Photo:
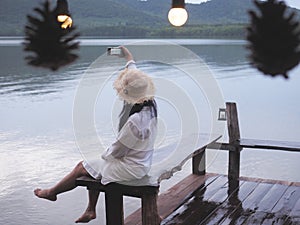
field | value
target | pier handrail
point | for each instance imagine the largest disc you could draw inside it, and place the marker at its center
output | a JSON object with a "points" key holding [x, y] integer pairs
{"points": [[236, 144], [291, 146]]}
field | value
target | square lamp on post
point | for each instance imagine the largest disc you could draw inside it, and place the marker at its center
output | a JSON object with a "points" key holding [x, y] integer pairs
{"points": [[222, 114]]}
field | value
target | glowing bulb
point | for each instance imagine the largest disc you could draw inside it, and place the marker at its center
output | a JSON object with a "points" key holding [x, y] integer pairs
{"points": [[177, 16], [65, 20], [62, 18]]}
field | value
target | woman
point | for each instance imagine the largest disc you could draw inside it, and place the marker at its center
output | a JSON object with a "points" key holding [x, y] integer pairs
{"points": [[130, 156]]}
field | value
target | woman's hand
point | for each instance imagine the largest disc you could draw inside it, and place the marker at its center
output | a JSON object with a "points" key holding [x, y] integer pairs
{"points": [[127, 54]]}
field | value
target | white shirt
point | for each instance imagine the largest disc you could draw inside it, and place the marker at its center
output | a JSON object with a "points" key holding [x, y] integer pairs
{"points": [[135, 141]]}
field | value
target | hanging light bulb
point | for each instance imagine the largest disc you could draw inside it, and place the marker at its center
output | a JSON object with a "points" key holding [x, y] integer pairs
{"points": [[63, 15], [65, 20], [177, 14]]}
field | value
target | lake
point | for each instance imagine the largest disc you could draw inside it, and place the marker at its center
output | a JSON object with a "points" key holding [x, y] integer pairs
{"points": [[38, 144]]}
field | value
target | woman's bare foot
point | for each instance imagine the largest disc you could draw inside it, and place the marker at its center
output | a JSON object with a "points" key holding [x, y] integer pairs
{"points": [[45, 193], [86, 217]]}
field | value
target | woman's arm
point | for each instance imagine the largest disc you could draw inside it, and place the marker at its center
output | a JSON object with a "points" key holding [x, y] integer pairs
{"points": [[127, 54], [125, 142], [129, 58], [116, 151]]}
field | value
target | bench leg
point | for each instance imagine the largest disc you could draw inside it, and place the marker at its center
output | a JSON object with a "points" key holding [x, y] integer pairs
{"points": [[114, 208], [199, 167], [149, 210]]}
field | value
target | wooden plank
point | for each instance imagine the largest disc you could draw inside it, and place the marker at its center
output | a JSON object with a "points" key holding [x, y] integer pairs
{"points": [[271, 181], [218, 184], [297, 184], [221, 195], [292, 146], [262, 210], [181, 192], [280, 213], [287, 202], [296, 221], [275, 219], [238, 217], [242, 212], [173, 198], [253, 200], [269, 144], [256, 218], [132, 191], [221, 146], [216, 216], [295, 213], [236, 212], [271, 198], [199, 206]]}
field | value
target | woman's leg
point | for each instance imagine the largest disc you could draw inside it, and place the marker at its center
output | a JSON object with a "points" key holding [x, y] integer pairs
{"points": [[66, 184], [90, 212]]}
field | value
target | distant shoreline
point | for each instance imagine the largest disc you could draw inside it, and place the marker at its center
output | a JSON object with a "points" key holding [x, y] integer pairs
{"points": [[124, 31], [96, 41]]}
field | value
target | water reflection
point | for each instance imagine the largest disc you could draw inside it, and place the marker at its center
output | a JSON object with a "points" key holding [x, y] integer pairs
{"points": [[221, 55], [38, 146], [18, 78]]}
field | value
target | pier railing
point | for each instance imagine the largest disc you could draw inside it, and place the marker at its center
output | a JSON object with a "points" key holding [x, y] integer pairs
{"points": [[236, 144]]}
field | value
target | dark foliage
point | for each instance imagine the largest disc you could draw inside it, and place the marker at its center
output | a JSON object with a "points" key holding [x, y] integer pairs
{"points": [[52, 46], [273, 38]]}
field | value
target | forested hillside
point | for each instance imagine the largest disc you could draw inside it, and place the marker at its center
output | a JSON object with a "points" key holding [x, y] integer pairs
{"points": [[136, 18]]}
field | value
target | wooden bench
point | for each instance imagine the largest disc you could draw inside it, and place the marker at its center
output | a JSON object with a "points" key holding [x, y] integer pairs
{"points": [[155, 208]]}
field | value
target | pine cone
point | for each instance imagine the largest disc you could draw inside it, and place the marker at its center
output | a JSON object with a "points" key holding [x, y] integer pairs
{"points": [[51, 44], [273, 38]]}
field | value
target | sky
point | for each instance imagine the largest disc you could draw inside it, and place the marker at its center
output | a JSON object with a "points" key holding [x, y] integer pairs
{"points": [[292, 3]]}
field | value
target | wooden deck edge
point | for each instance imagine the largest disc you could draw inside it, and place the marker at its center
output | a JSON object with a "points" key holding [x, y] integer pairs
{"points": [[174, 197], [270, 181]]}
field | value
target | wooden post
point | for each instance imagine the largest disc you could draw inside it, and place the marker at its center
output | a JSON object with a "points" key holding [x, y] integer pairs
{"points": [[234, 137], [149, 210], [114, 207], [199, 164]]}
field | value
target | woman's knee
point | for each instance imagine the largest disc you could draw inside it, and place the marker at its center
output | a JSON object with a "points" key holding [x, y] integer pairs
{"points": [[80, 169]]}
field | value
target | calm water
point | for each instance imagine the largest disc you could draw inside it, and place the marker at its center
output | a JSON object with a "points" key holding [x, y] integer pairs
{"points": [[38, 145]]}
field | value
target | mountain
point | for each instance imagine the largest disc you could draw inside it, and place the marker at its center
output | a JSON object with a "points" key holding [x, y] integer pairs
{"points": [[140, 18], [154, 12], [221, 12]]}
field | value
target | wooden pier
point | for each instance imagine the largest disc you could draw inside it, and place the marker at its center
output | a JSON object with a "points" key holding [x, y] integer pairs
{"points": [[254, 201], [204, 198]]}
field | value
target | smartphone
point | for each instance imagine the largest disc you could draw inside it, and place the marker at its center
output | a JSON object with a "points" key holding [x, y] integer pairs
{"points": [[114, 51]]}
